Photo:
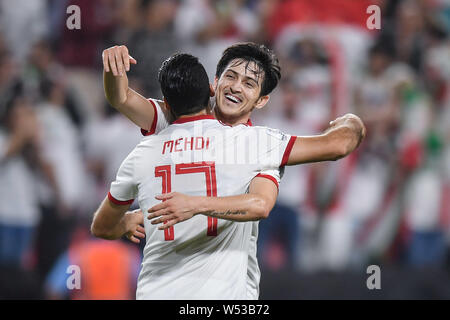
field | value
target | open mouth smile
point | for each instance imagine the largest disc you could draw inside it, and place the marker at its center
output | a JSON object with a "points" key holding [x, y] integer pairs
{"points": [[233, 99]]}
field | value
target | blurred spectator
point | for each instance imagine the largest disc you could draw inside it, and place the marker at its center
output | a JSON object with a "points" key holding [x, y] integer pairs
{"points": [[312, 78], [61, 147], [22, 23], [80, 52], [376, 97], [108, 142], [207, 27], [437, 66], [424, 196], [406, 38], [42, 67], [108, 269], [153, 43], [129, 19], [20, 163]]}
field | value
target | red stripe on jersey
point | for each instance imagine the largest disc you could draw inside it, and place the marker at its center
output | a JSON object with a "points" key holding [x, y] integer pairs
{"points": [[119, 202], [288, 150], [209, 169], [268, 177], [155, 121], [145, 132], [165, 173]]}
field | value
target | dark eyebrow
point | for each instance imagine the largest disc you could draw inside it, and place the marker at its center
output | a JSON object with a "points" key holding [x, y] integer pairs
{"points": [[252, 79], [232, 71], [247, 77]]}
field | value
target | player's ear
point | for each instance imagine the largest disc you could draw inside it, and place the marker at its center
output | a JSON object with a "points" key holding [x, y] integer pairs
{"points": [[209, 110], [167, 105], [212, 92], [262, 101], [216, 82]]}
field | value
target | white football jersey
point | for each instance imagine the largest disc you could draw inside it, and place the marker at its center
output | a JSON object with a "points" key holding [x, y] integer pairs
{"points": [[203, 257], [161, 121]]}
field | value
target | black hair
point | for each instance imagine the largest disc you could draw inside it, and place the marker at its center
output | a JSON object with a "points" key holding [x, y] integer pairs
{"points": [[184, 84], [263, 57]]}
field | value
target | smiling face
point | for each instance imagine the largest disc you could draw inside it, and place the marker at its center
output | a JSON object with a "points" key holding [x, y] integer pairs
{"points": [[238, 91]]}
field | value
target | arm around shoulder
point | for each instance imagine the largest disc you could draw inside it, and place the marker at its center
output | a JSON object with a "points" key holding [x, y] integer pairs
{"points": [[109, 220], [342, 137]]}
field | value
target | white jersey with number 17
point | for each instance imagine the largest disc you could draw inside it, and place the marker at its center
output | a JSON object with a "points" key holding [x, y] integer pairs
{"points": [[161, 121], [203, 257]]}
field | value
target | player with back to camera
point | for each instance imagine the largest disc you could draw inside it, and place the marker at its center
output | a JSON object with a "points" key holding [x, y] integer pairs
{"points": [[245, 76]]}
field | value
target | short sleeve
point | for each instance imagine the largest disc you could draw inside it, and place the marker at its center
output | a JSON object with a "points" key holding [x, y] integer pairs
{"points": [[274, 147], [161, 120], [124, 189], [272, 175]]}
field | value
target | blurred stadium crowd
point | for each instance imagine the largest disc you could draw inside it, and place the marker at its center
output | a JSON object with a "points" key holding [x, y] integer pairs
{"points": [[61, 144]]}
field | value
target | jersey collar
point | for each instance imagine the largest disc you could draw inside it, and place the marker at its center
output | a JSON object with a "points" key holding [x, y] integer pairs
{"points": [[203, 117], [193, 118]]}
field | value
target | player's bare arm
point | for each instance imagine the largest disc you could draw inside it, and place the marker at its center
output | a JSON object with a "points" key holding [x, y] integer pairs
{"points": [[111, 222], [255, 205], [116, 64], [342, 137]]}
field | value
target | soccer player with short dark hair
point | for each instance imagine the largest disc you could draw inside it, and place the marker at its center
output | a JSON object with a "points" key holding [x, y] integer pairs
{"points": [[245, 76], [203, 257]]}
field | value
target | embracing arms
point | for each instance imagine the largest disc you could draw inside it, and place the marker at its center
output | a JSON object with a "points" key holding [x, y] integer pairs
{"points": [[341, 138], [112, 222], [253, 206]]}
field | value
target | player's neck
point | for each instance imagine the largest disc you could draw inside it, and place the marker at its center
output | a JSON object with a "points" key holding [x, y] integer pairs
{"points": [[231, 121], [200, 113]]}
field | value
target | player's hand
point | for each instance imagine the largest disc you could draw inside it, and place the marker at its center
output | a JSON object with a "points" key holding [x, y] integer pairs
{"points": [[352, 121], [117, 60], [176, 207], [133, 225]]}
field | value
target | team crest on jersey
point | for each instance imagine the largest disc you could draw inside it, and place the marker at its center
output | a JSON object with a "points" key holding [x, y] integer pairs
{"points": [[276, 134]]}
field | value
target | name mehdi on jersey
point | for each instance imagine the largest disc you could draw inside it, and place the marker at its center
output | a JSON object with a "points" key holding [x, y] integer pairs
{"points": [[186, 144]]}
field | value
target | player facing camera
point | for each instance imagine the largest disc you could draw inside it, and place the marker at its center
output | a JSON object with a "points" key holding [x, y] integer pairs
{"points": [[184, 84], [266, 63], [245, 76]]}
